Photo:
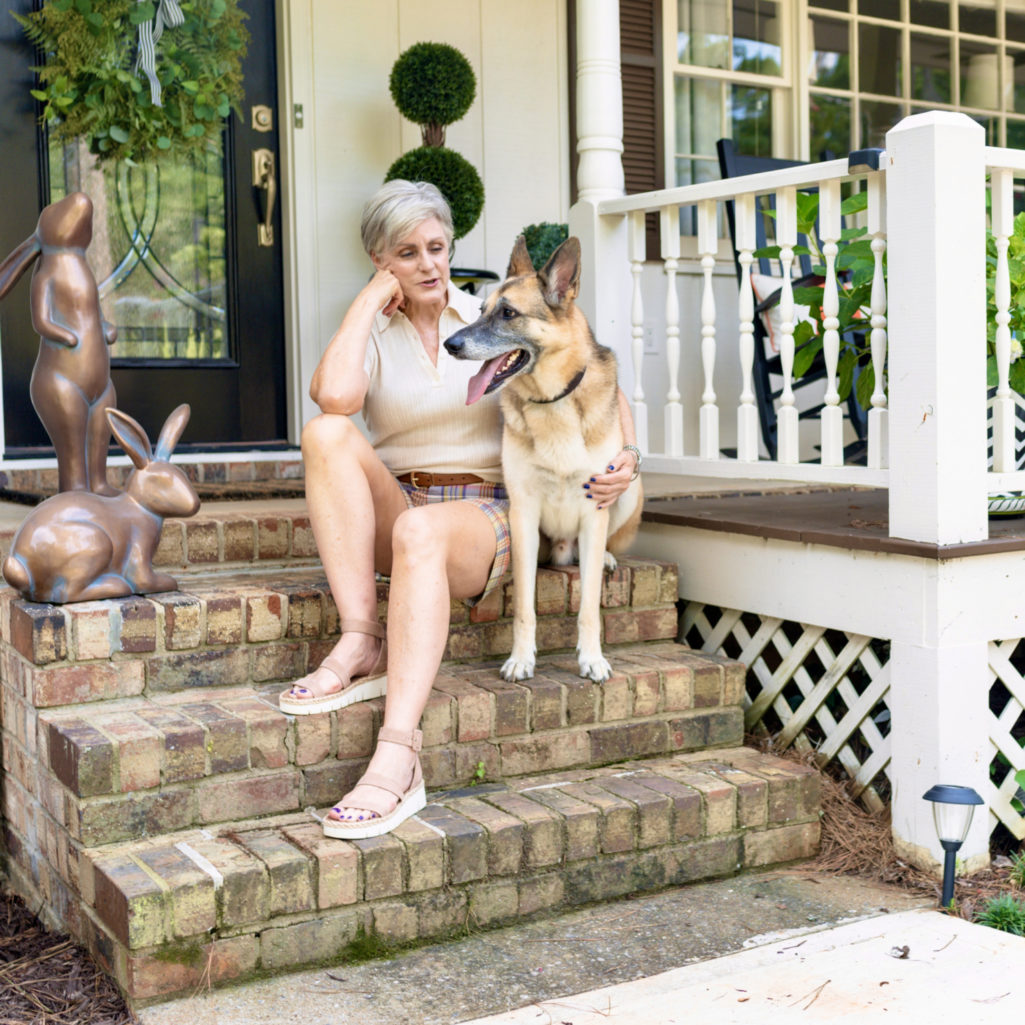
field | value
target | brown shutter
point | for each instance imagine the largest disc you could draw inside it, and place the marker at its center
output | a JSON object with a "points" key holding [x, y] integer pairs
{"points": [[640, 55]]}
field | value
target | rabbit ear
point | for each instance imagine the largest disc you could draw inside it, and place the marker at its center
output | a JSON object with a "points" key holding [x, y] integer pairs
{"points": [[17, 263], [131, 436], [174, 425]]}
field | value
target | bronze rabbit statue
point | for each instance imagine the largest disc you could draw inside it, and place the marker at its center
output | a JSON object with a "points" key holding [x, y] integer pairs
{"points": [[80, 546], [70, 386]]}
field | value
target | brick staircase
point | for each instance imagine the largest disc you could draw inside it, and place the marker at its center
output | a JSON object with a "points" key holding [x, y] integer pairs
{"points": [[159, 806]]}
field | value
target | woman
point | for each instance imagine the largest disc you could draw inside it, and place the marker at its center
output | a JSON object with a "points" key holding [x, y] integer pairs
{"points": [[420, 500]]}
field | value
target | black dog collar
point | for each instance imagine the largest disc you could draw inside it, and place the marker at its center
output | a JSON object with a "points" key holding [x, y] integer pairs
{"points": [[569, 387]]}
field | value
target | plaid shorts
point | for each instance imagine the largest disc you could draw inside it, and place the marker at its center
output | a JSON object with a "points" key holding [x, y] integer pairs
{"points": [[493, 501]]}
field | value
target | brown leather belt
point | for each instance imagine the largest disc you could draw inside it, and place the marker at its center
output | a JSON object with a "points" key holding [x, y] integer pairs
{"points": [[423, 479]]}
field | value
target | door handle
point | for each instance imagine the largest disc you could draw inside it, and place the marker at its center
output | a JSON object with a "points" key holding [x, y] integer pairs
{"points": [[266, 183]]}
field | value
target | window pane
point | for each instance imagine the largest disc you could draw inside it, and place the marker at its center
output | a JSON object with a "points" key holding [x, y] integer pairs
{"points": [[1019, 86], [756, 36], [990, 124], [830, 63], [751, 120], [979, 18], [879, 59], [979, 76], [1016, 134], [880, 8], [703, 35], [876, 120], [698, 117], [692, 172], [934, 13], [832, 5], [1014, 26], [930, 68], [830, 123]]}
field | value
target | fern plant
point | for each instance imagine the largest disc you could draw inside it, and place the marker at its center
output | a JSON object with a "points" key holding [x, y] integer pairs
{"points": [[88, 86]]}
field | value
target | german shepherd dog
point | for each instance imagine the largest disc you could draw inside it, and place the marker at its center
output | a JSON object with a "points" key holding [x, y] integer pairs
{"points": [[560, 401]]}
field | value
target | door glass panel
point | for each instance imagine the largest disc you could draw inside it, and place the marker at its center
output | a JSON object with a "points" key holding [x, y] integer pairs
{"points": [[158, 251], [879, 59], [830, 63], [756, 36], [930, 68], [703, 33]]}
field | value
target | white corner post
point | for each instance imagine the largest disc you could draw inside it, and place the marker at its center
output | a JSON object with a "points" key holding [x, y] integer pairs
{"points": [[939, 677], [605, 282]]}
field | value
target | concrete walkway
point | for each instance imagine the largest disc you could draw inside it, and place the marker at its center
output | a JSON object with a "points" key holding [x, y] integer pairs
{"points": [[760, 948]]}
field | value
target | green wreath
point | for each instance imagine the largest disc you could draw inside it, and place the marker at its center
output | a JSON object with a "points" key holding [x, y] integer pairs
{"points": [[90, 86]]}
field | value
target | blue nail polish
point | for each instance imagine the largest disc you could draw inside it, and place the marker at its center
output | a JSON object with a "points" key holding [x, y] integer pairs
{"points": [[592, 480], [588, 496], [611, 467], [587, 487]]}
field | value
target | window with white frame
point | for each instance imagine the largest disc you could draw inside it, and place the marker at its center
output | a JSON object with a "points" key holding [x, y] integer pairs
{"points": [[873, 62]]}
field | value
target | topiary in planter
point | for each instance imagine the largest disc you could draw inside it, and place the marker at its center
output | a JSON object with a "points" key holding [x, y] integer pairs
{"points": [[433, 85], [455, 177], [543, 239]]}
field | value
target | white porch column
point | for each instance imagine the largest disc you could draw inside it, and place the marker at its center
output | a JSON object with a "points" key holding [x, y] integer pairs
{"points": [[605, 283], [936, 236], [936, 230]]}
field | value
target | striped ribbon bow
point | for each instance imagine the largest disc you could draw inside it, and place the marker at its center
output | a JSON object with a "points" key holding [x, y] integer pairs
{"points": [[169, 14]]}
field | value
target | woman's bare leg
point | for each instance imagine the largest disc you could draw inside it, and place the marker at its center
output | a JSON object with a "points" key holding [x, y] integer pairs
{"points": [[353, 502], [439, 552]]}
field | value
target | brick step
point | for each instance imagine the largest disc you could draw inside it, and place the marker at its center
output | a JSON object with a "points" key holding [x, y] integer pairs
{"points": [[122, 770], [237, 629], [206, 907]]}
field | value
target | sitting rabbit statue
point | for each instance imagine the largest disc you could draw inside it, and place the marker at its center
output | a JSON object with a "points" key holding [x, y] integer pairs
{"points": [[70, 387], [79, 546]]}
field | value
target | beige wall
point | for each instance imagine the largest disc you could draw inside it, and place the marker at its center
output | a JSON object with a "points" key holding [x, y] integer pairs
{"points": [[337, 55]]}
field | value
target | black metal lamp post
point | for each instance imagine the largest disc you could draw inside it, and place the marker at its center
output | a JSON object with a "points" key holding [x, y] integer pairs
{"points": [[952, 811]]}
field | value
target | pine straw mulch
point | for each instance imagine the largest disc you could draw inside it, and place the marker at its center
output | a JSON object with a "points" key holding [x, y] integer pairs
{"points": [[859, 843], [45, 979]]}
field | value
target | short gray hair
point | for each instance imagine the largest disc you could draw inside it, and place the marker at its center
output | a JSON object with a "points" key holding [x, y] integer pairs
{"points": [[396, 208]]}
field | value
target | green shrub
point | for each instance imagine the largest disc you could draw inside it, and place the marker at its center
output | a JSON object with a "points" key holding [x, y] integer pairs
{"points": [[455, 177], [1005, 913], [543, 239], [433, 85]]}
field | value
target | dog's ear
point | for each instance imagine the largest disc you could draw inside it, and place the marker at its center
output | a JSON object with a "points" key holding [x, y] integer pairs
{"points": [[560, 276], [519, 262]]}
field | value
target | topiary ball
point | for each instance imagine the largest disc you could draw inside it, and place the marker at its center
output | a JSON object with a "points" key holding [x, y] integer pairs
{"points": [[432, 83], [543, 239], [455, 177]]}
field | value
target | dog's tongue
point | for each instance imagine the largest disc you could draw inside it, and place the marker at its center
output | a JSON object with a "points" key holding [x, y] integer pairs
{"points": [[478, 384]]}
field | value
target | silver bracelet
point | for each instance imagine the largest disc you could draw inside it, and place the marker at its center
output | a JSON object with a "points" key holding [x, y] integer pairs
{"points": [[637, 455]]}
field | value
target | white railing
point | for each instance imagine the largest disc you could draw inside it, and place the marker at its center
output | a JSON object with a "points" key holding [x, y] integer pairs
{"points": [[707, 200], [925, 324]]}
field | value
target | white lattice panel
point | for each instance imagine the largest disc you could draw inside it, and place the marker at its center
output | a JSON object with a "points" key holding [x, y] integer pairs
{"points": [[1007, 732], [809, 686]]}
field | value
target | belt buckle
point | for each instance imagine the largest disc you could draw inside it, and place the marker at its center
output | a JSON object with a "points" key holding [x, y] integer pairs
{"points": [[413, 479]]}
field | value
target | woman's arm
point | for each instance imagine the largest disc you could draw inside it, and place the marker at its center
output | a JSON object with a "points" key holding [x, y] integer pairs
{"points": [[340, 383], [605, 488]]}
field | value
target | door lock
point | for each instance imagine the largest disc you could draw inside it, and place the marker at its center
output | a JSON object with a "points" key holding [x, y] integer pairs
{"points": [[266, 185]]}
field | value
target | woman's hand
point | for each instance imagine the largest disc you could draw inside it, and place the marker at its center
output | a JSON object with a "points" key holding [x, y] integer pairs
{"points": [[604, 488], [384, 292]]}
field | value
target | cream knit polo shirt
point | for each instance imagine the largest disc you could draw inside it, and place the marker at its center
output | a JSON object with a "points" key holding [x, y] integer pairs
{"points": [[416, 413]]}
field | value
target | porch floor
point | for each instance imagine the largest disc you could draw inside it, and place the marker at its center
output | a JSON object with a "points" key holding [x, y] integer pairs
{"points": [[850, 518]]}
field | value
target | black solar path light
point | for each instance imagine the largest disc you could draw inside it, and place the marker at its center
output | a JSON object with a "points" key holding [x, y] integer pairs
{"points": [[952, 811]]}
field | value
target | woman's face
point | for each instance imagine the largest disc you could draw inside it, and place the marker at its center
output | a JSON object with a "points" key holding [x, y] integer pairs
{"points": [[420, 262]]}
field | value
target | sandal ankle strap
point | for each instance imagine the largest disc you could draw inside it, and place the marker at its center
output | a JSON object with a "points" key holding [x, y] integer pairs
{"points": [[412, 740], [362, 626]]}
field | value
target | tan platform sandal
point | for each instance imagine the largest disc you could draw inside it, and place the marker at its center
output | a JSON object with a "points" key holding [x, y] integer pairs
{"points": [[353, 689], [377, 820]]}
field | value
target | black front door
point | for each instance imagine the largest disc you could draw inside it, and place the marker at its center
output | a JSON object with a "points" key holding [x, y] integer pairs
{"points": [[187, 268]]}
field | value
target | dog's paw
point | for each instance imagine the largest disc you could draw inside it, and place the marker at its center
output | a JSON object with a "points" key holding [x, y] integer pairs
{"points": [[595, 668], [517, 669], [610, 563]]}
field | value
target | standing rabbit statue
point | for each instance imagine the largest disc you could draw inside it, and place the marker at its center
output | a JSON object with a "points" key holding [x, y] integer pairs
{"points": [[71, 386], [80, 546]]}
